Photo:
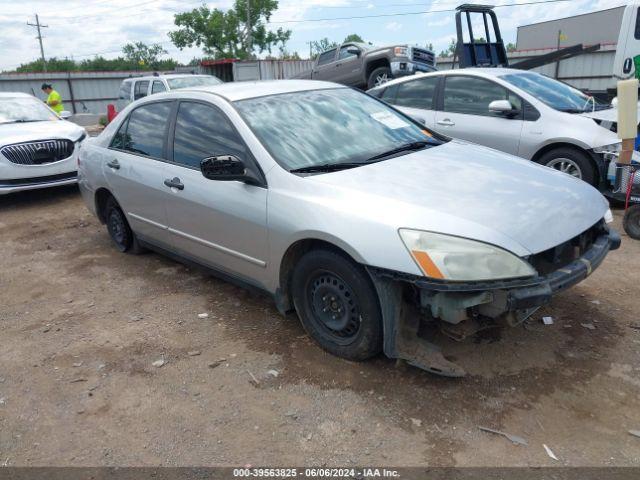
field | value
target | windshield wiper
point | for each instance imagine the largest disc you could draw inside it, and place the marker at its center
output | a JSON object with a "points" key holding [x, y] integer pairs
{"points": [[327, 167], [404, 148], [21, 120]]}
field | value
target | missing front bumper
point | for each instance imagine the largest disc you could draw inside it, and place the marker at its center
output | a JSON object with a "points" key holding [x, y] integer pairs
{"points": [[455, 303]]}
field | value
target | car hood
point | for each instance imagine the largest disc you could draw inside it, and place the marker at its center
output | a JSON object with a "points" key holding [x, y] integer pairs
{"points": [[608, 115], [26, 132], [474, 192]]}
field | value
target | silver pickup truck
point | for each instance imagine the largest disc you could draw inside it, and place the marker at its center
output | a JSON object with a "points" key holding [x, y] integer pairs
{"points": [[364, 66]]}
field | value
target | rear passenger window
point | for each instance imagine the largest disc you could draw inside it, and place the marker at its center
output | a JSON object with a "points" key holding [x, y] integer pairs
{"points": [[145, 130], [204, 131], [389, 94], [141, 89], [417, 93], [157, 87]]}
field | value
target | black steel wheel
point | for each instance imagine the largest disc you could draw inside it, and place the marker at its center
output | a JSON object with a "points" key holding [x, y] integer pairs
{"points": [[337, 304], [119, 230], [631, 222]]}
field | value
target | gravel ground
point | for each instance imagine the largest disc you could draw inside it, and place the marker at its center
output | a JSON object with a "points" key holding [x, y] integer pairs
{"points": [[84, 328]]}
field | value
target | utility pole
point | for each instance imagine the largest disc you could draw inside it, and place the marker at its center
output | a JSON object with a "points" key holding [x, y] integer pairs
{"points": [[249, 46], [39, 37]]}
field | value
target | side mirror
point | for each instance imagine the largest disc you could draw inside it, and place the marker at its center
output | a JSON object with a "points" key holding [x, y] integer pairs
{"points": [[226, 168], [353, 51], [65, 115], [502, 107]]}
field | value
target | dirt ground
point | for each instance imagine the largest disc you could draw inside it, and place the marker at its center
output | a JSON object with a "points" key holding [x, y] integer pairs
{"points": [[81, 326]]}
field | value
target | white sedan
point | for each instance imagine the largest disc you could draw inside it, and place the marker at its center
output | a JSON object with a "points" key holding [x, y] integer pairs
{"points": [[37, 147]]}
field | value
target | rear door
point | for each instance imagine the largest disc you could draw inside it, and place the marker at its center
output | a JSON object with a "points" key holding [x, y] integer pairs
{"points": [[416, 98], [140, 89], [465, 113], [325, 67], [348, 67], [220, 223], [134, 169], [158, 87]]}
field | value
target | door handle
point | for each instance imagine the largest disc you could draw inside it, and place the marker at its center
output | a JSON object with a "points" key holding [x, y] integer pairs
{"points": [[174, 183], [113, 164], [446, 123]]}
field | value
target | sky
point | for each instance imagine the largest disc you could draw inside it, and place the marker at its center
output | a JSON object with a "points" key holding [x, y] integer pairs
{"points": [[81, 28]]}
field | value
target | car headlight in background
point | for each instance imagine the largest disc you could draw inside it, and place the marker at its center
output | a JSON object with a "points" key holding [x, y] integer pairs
{"points": [[608, 216], [458, 259], [609, 152], [401, 51]]}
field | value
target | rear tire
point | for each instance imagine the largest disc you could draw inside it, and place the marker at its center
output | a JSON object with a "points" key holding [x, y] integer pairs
{"points": [[379, 76], [631, 222], [337, 305], [119, 230], [570, 161]]}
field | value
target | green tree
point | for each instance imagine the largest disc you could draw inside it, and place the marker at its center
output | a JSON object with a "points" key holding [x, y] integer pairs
{"points": [[319, 46], [142, 54], [511, 47], [54, 64], [354, 37], [429, 47], [227, 34], [450, 50]]}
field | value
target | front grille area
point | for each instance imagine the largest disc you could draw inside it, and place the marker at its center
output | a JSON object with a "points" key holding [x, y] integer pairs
{"points": [[38, 153], [423, 56], [555, 258]]}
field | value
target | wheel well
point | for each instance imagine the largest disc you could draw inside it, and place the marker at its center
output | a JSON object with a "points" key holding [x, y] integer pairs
{"points": [[289, 260], [371, 66], [554, 146], [102, 195]]}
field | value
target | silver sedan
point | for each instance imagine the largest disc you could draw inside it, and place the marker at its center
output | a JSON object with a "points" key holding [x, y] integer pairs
{"points": [[344, 210]]}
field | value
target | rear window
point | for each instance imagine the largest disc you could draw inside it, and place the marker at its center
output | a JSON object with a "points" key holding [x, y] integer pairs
{"points": [[140, 90], [125, 91], [417, 93], [144, 131], [327, 57]]}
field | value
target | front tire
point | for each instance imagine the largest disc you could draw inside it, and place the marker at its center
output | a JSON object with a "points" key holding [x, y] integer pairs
{"points": [[379, 76], [119, 230], [337, 305], [631, 222], [570, 161]]}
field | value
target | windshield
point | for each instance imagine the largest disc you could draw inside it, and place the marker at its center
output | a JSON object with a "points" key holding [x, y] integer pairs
{"points": [[553, 93], [188, 82], [317, 127], [13, 110]]}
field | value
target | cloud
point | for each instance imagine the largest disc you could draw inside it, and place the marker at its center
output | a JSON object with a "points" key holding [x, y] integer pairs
{"points": [[393, 26], [440, 23]]}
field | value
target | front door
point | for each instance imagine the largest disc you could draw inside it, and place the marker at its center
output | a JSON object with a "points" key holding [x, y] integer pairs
{"points": [[135, 169], [219, 223], [348, 69], [465, 113]]}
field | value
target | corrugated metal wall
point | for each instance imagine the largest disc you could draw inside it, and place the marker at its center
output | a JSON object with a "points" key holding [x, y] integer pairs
{"points": [[91, 91], [258, 70], [592, 71]]}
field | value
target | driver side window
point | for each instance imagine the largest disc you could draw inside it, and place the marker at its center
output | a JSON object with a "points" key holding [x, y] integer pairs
{"points": [[473, 95], [204, 131]]}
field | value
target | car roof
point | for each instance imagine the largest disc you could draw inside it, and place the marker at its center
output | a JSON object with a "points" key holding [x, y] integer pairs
{"points": [[234, 91], [163, 75], [476, 72], [15, 95]]}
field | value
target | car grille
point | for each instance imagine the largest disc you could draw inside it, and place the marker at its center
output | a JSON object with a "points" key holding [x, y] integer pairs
{"points": [[562, 255], [423, 56], [38, 153]]}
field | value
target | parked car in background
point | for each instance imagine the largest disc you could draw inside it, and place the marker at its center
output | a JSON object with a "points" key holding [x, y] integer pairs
{"points": [[37, 147], [364, 66], [135, 88], [519, 112], [342, 207]]}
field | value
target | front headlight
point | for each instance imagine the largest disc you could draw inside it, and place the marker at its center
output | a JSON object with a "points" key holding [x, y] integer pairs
{"points": [[458, 259], [401, 51], [609, 152]]}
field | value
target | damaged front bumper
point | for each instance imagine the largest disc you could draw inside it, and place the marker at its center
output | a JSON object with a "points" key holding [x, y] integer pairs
{"points": [[460, 307]]}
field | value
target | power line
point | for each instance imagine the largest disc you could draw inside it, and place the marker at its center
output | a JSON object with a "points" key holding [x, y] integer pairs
{"points": [[38, 26], [381, 15]]}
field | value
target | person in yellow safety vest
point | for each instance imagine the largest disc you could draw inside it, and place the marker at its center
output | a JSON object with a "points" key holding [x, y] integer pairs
{"points": [[54, 100]]}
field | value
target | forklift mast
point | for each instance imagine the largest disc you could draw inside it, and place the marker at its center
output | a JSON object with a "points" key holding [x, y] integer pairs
{"points": [[488, 52]]}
